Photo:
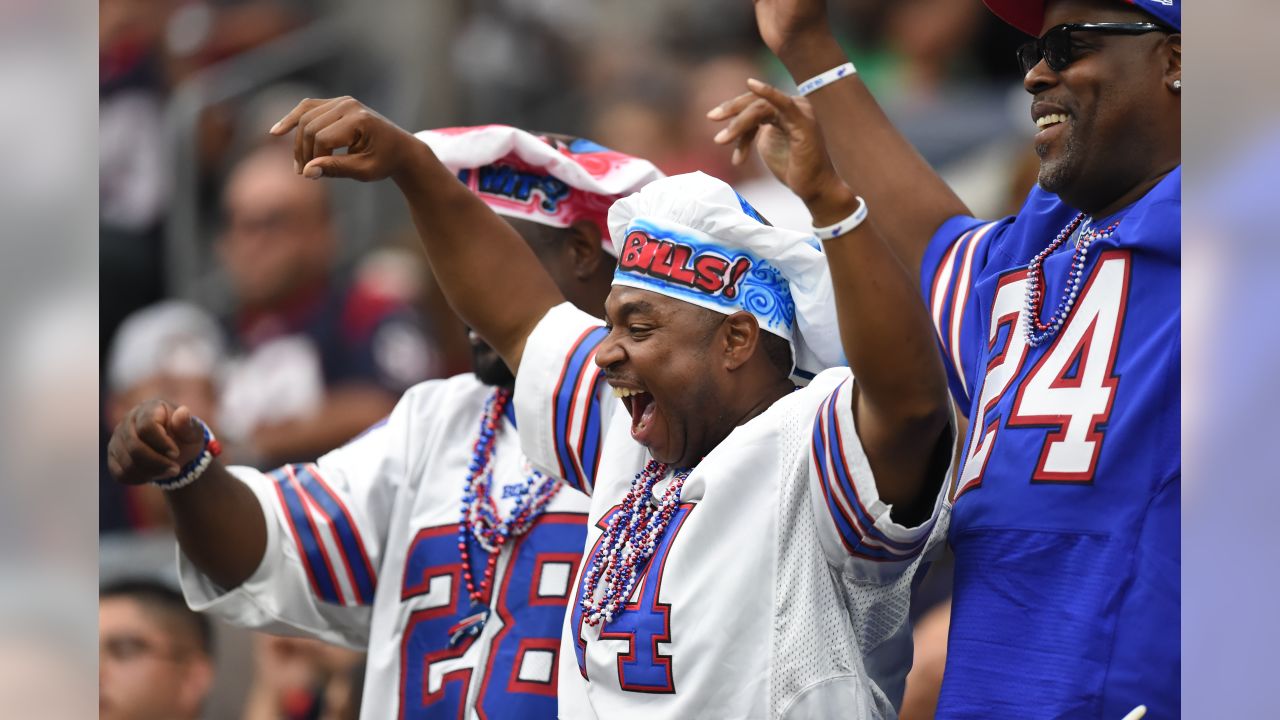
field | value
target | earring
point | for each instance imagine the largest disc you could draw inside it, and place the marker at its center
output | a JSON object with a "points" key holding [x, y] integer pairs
{"points": [[1177, 84]]}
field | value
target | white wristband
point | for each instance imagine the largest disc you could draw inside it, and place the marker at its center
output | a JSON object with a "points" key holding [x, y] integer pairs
{"points": [[846, 225], [195, 468], [826, 78]]}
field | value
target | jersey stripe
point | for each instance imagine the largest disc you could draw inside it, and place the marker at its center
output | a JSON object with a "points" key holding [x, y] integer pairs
{"points": [[570, 409], [856, 540], [351, 545], [960, 298], [840, 466], [314, 561], [941, 283]]}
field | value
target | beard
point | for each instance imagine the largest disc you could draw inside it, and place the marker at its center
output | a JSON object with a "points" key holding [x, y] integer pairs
{"points": [[1057, 174], [488, 365]]}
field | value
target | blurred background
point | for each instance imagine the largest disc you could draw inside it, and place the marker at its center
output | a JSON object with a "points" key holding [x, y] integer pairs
{"points": [[294, 313]]}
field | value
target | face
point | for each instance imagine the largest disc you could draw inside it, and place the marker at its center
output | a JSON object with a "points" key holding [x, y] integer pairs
{"points": [[1108, 121], [657, 357], [142, 670], [278, 236]]}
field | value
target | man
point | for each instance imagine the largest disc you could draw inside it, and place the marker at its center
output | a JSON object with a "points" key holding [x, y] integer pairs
{"points": [[751, 545], [1060, 332], [428, 539], [154, 654], [318, 357]]}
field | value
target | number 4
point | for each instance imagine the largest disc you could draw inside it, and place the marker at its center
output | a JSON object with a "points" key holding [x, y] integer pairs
{"points": [[1073, 386]]}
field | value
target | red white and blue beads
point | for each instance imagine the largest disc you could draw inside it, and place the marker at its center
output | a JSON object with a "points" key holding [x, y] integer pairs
{"points": [[480, 514], [1037, 331], [629, 542]]}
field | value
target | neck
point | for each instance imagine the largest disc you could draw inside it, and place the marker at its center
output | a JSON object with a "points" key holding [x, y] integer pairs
{"points": [[773, 393], [1133, 194]]}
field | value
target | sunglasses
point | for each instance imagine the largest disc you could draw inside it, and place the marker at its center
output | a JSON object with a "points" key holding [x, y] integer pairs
{"points": [[1058, 50]]}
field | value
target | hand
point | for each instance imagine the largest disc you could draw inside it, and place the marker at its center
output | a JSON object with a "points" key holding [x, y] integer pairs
{"points": [[154, 442], [376, 147], [788, 140], [784, 24]]}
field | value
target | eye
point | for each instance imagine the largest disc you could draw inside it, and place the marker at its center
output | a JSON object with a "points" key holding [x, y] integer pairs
{"points": [[639, 331]]}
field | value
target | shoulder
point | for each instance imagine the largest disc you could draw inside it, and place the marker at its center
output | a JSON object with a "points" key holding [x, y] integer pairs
{"points": [[446, 395]]}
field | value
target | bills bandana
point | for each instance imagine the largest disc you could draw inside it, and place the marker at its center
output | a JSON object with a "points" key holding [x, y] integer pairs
{"points": [[689, 265]]}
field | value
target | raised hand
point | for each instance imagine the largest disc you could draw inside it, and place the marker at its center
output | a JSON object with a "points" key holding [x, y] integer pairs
{"points": [[154, 442], [376, 147], [786, 136]]}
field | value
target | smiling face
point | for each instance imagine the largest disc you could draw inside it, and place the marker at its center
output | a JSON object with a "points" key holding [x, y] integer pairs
{"points": [[659, 357], [1110, 121]]}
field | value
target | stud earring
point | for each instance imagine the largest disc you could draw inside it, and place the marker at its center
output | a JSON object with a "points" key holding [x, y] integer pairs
{"points": [[1177, 84]]}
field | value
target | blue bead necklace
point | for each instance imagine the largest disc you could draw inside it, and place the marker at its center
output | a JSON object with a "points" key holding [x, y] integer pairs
{"points": [[1036, 330], [628, 543], [481, 517]]}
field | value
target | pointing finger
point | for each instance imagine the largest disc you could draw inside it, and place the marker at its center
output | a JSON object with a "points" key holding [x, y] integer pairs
{"points": [[731, 107], [289, 121]]}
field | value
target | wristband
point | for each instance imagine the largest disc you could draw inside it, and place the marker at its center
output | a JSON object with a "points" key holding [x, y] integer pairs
{"points": [[195, 468], [846, 225], [826, 78]]}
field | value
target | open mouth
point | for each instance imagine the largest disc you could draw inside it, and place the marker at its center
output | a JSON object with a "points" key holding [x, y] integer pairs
{"points": [[643, 409]]}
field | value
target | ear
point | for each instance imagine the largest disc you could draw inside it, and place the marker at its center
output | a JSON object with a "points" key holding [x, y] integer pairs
{"points": [[741, 337], [584, 245], [1173, 63]]}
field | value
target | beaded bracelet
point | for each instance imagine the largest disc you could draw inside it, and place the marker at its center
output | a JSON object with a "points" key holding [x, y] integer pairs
{"points": [[846, 225], [824, 79], [195, 468]]}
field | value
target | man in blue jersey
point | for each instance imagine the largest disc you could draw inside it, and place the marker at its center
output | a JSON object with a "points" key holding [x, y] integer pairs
{"points": [[1060, 330]]}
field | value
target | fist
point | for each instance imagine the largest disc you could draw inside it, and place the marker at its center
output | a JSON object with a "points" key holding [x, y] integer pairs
{"points": [[376, 147], [154, 442]]}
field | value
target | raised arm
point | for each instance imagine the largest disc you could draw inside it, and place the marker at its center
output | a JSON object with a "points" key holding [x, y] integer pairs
{"points": [[911, 201], [487, 272], [901, 403]]}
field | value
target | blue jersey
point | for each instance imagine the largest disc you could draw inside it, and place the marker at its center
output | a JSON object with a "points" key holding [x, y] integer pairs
{"points": [[1066, 520]]}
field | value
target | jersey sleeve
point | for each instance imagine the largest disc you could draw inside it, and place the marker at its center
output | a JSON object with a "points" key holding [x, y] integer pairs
{"points": [[854, 526], [561, 408], [955, 259], [326, 531]]}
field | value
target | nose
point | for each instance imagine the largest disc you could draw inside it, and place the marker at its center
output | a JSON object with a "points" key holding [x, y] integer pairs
{"points": [[609, 352], [1039, 78]]}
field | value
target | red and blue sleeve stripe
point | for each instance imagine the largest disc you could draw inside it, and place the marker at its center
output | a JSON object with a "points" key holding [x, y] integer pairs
{"points": [[329, 542], [949, 291], [576, 405], [855, 526]]}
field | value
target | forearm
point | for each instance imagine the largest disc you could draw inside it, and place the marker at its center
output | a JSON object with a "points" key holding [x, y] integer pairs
{"points": [[885, 331], [871, 155], [220, 526], [900, 401], [489, 275]]}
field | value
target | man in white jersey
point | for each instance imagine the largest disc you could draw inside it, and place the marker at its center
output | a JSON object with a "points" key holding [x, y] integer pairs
{"points": [[752, 544], [428, 540]]}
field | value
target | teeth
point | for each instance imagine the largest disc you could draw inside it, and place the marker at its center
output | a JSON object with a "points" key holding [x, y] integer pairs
{"points": [[1051, 119], [625, 392]]}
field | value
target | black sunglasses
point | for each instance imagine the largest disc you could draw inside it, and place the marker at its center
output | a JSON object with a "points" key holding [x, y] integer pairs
{"points": [[1057, 49]]}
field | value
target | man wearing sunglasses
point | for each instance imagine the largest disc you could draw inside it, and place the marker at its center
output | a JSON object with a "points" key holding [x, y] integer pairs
{"points": [[1060, 331]]}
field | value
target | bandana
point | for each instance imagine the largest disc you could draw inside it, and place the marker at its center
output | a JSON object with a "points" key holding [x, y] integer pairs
{"points": [[691, 237], [550, 180], [1028, 15]]}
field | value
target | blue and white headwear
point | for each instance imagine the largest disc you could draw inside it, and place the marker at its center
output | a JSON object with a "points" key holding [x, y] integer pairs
{"points": [[691, 237]]}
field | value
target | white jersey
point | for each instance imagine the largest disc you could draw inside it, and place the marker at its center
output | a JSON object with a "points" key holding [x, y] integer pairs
{"points": [[781, 586], [362, 550]]}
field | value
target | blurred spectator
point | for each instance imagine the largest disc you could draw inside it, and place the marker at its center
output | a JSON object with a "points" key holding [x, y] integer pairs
{"points": [[155, 655], [302, 679], [320, 358], [174, 351]]}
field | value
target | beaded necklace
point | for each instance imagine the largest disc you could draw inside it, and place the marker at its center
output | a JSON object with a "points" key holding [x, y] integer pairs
{"points": [[1037, 331], [629, 542], [481, 517]]}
